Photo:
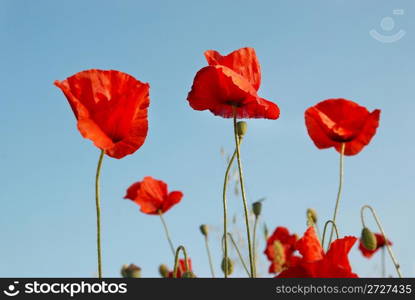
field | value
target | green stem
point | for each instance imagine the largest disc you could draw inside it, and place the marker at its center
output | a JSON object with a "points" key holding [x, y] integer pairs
{"points": [[212, 271], [238, 252], [98, 209], [339, 192], [254, 243], [166, 230], [225, 216], [334, 227], [383, 263], [391, 254], [176, 260], [241, 180]]}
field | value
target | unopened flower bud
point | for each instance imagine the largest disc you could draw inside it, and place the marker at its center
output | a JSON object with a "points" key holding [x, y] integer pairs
{"points": [[266, 232], [164, 271], [311, 217], [256, 208], [204, 229], [188, 274], [227, 266], [241, 128], [368, 239], [130, 271]]}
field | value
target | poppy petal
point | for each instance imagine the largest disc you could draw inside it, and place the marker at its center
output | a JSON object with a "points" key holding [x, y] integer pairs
{"points": [[309, 246], [111, 109], [221, 90], [242, 61]]}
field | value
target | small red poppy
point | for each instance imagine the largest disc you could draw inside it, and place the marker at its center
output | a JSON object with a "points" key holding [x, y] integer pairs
{"points": [[380, 239], [152, 196], [231, 83], [181, 268], [315, 263], [280, 250], [335, 121], [111, 109]]}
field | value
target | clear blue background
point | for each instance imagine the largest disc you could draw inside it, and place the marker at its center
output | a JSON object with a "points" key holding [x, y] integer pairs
{"points": [[308, 50]]}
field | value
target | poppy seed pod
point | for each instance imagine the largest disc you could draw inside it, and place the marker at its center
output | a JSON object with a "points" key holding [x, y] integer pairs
{"points": [[189, 274], [130, 271], [164, 271], [311, 216], [241, 128], [204, 229], [256, 208], [229, 270], [368, 239]]}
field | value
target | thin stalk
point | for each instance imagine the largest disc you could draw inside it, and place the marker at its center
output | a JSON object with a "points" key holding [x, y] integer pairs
{"points": [[334, 227], [238, 252], [339, 192], [383, 263], [166, 230], [391, 254], [176, 260], [212, 271], [225, 209], [254, 242], [241, 180], [98, 209]]}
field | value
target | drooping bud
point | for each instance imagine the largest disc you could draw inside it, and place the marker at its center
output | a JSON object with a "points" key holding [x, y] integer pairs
{"points": [[241, 128], [256, 208], [227, 266], [204, 229], [311, 217], [368, 239], [130, 271], [188, 274], [266, 232], [164, 271]]}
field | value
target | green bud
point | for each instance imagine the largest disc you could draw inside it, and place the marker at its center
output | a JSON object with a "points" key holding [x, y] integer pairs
{"points": [[130, 271], [241, 128], [311, 217], [229, 266], [368, 239], [164, 271], [188, 274], [256, 208], [204, 229]]}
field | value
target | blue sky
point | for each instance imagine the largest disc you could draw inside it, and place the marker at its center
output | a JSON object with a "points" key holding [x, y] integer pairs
{"points": [[309, 51]]}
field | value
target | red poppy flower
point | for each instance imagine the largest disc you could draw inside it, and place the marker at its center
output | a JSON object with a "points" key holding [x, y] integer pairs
{"points": [[152, 196], [335, 121], [181, 268], [111, 109], [316, 263], [280, 250], [231, 83], [380, 239]]}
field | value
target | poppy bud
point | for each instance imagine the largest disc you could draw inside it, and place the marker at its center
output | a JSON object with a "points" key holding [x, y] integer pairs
{"points": [[164, 271], [130, 271], [241, 128], [188, 274], [204, 229], [311, 217], [256, 208], [229, 270], [368, 239], [266, 233]]}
